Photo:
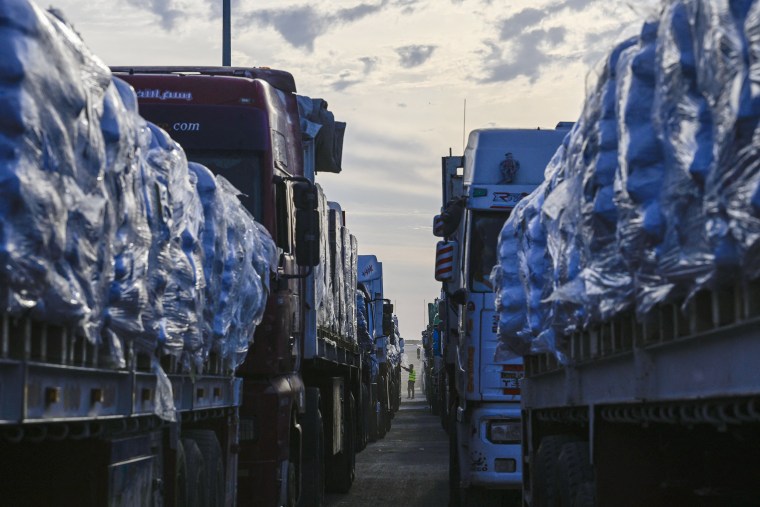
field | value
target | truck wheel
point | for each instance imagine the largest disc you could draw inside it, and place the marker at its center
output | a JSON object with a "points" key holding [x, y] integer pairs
{"points": [[586, 496], [455, 499], [573, 470], [313, 465], [443, 404], [292, 499], [361, 441], [544, 479], [372, 418], [180, 476], [341, 470], [196, 474], [435, 405], [212, 455], [381, 415]]}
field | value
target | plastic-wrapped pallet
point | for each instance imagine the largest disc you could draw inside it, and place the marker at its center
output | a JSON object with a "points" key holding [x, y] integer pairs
{"points": [[234, 302], [362, 331], [344, 251], [510, 294], [351, 282], [560, 216], [642, 169], [668, 173], [52, 167], [607, 282], [102, 229], [323, 271], [338, 268], [684, 123], [727, 72]]}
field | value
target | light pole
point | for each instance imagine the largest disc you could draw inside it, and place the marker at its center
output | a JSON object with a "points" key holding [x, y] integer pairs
{"points": [[226, 34]]}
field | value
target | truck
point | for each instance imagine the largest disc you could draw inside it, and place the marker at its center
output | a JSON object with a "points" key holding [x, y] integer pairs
{"points": [[479, 395], [382, 355], [639, 324], [301, 385], [132, 284], [433, 366]]}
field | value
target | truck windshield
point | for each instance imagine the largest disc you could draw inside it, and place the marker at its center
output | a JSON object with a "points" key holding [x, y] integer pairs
{"points": [[241, 168], [485, 229]]}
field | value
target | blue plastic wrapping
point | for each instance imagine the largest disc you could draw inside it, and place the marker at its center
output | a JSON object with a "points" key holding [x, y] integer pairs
{"points": [[362, 331], [730, 58], [655, 193], [103, 229], [52, 169]]}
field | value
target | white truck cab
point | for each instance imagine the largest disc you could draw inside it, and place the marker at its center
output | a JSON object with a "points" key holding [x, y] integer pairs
{"points": [[499, 167]]}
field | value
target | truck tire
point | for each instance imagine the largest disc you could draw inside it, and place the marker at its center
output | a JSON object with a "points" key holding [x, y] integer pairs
{"points": [[435, 402], [586, 496], [546, 491], [196, 475], [342, 466], [313, 464], [372, 416], [383, 413], [214, 465], [180, 476], [363, 436], [444, 403], [573, 470], [455, 499]]}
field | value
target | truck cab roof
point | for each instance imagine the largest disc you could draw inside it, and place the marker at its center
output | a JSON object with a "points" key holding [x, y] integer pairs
{"points": [[530, 150], [279, 79]]}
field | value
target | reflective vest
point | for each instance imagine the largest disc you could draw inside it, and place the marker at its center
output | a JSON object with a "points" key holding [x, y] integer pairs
{"points": [[412, 376]]}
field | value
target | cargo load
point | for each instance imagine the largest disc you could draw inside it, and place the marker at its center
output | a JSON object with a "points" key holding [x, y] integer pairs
{"points": [[654, 194]]}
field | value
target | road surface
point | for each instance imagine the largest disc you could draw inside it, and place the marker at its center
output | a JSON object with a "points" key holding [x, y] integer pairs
{"points": [[408, 468]]}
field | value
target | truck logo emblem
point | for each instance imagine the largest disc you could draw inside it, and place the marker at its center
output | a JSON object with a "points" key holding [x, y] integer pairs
{"points": [[164, 95], [505, 200], [508, 168]]}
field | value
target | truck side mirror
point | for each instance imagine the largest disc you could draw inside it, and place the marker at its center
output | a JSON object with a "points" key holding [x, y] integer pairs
{"points": [[388, 320], [307, 237], [388, 327]]}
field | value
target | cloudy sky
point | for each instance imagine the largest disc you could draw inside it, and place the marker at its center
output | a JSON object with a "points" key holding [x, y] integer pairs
{"points": [[399, 73]]}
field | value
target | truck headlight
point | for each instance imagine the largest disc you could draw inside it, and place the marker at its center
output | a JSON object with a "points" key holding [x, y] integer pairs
{"points": [[504, 432]]}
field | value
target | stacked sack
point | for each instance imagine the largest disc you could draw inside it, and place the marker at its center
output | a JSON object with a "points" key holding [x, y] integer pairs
{"points": [[655, 193], [103, 228]]}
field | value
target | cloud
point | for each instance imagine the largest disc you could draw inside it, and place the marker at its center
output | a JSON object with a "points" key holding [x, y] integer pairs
{"points": [[415, 55], [407, 6], [520, 22], [370, 63], [525, 55], [164, 9], [530, 18], [348, 78], [300, 25], [343, 83]]}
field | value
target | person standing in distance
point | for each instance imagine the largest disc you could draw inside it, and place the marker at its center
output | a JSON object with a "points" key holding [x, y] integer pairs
{"points": [[412, 379]]}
